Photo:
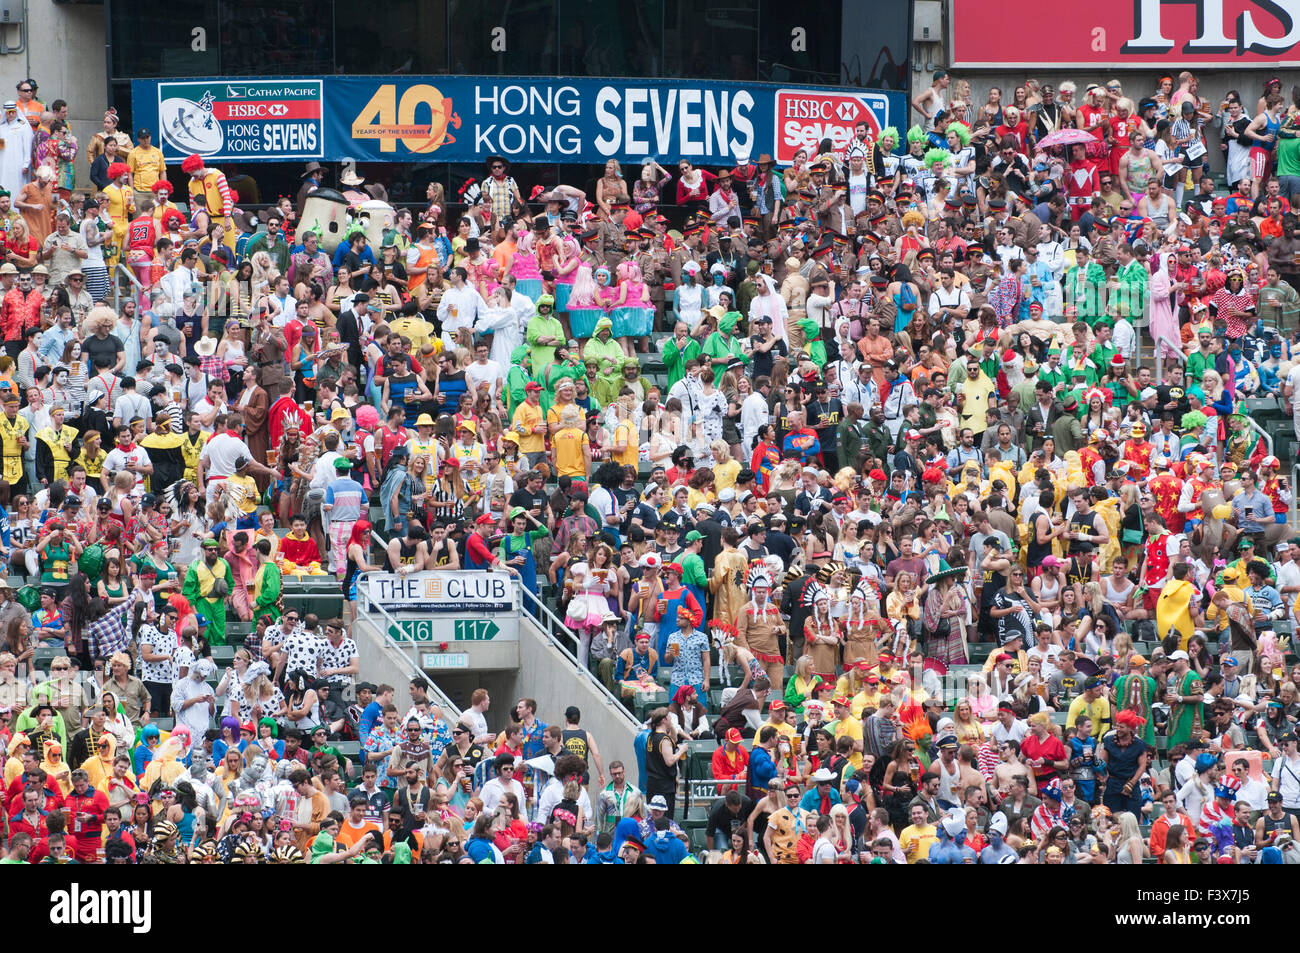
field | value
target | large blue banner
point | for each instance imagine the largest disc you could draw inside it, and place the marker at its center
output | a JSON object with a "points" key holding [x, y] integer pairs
{"points": [[466, 118]]}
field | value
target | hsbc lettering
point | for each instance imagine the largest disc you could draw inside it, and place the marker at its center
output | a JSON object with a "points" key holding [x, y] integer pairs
{"points": [[1149, 37]]}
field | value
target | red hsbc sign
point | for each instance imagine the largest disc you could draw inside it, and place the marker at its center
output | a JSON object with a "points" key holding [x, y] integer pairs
{"points": [[805, 117], [1164, 34]]}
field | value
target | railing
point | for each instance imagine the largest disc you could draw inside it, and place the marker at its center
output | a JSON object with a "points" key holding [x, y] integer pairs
{"points": [[550, 624], [410, 664], [121, 269]]}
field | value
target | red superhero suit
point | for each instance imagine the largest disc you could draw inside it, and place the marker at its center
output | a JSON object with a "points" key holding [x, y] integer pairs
{"points": [[1081, 184]]}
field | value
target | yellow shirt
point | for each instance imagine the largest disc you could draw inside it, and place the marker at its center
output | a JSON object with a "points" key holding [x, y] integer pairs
{"points": [[850, 728], [867, 698], [420, 448], [626, 433], [58, 447], [525, 419], [724, 475], [569, 444], [916, 841], [120, 204], [1098, 711], [147, 167], [788, 730], [974, 412]]}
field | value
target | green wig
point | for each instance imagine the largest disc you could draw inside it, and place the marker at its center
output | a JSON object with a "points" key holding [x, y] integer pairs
{"points": [[889, 132], [1194, 420], [934, 157], [962, 131], [916, 134]]}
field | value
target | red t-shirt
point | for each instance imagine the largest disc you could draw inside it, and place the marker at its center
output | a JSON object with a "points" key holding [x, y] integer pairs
{"points": [[1049, 749]]}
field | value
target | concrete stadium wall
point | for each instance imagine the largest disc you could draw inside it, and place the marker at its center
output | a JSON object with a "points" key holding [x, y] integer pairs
{"points": [[65, 55]]}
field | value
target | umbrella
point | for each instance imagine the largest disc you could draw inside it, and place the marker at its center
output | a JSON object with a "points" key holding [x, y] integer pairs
{"points": [[1086, 666], [1066, 137]]}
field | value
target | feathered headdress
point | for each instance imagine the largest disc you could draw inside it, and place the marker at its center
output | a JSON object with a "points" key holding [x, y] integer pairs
{"points": [[758, 574], [812, 591], [470, 192], [827, 571], [722, 632]]}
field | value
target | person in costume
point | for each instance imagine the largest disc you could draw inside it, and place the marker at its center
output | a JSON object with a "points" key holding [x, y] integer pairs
{"points": [[722, 346], [208, 584], [1174, 607], [1136, 693], [677, 350], [761, 626], [602, 348], [544, 334], [266, 583], [209, 186], [1184, 697]]}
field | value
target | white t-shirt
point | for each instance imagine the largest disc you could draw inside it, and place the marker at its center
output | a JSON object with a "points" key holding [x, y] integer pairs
{"points": [[1293, 381], [117, 460], [1048, 658], [1287, 774], [1016, 732], [221, 451], [489, 373]]}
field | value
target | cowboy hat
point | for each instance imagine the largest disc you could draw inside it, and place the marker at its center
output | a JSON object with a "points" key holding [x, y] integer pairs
{"points": [[311, 167], [351, 178], [205, 346]]}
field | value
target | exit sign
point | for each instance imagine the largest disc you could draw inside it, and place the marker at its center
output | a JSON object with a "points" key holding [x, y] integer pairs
{"points": [[475, 630], [446, 660]]}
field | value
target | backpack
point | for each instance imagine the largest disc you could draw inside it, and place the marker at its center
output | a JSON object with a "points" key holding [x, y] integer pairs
{"points": [[906, 298]]}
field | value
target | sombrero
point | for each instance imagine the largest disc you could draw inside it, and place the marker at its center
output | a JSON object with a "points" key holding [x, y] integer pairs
{"points": [[946, 574]]}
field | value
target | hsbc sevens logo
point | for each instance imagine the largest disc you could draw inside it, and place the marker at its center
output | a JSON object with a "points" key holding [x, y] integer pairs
{"points": [[846, 111], [277, 109]]}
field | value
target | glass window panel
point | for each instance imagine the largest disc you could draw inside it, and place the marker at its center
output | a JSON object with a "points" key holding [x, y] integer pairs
{"points": [[525, 28], [874, 44], [156, 38], [394, 36], [259, 38], [812, 55], [599, 38], [711, 39]]}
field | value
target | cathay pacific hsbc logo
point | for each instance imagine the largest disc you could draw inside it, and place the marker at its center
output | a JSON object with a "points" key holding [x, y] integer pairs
{"points": [[78, 907]]}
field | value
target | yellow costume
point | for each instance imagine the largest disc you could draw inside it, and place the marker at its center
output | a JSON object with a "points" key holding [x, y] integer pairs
{"points": [[1172, 610], [11, 451], [220, 201], [97, 767], [165, 764], [1109, 510], [58, 444], [121, 207]]}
